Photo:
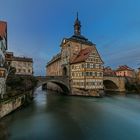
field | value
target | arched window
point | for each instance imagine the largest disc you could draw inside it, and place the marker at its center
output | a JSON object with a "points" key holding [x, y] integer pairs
{"points": [[64, 71]]}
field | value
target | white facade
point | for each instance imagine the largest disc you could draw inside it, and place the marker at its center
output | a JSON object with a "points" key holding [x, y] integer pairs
{"points": [[23, 67], [2, 51], [3, 47]]}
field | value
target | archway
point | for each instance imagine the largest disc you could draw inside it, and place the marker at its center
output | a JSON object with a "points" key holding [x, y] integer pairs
{"points": [[110, 85], [64, 71], [64, 89]]}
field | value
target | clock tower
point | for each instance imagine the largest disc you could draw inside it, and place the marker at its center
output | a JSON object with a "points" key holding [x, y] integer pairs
{"points": [[77, 26]]}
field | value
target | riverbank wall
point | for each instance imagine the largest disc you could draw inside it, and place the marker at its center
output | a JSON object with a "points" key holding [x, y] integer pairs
{"points": [[91, 93], [10, 105], [74, 91]]}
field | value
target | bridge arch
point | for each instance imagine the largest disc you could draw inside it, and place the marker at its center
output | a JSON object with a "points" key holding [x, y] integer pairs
{"points": [[114, 83], [61, 84], [110, 85]]}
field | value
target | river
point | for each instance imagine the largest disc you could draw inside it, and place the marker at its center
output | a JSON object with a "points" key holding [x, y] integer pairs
{"points": [[53, 117]]}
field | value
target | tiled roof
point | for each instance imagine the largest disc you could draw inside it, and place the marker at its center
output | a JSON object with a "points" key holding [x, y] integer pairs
{"points": [[10, 57], [24, 59], [109, 72], [82, 56], [3, 26], [124, 67], [81, 39]]}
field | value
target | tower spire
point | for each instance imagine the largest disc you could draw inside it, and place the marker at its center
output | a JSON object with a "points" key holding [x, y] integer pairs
{"points": [[77, 26], [77, 15]]}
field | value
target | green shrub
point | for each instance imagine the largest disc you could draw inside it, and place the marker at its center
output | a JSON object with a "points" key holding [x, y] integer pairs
{"points": [[20, 83]]}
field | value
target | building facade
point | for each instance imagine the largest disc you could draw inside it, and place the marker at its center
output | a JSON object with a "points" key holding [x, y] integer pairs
{"points": [[3, 48], [23, 65], [3, 42], [80, 61], [125, 71], [87, 70], [108, 71], [53, 67], [138, 75]]}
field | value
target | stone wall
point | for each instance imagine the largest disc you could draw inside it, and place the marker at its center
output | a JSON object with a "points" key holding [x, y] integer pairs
{"points": [[119, 81], [92, 93], [10, 105]]}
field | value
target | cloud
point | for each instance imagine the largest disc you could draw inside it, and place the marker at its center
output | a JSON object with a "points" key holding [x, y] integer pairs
{"points": [[130, 57]]}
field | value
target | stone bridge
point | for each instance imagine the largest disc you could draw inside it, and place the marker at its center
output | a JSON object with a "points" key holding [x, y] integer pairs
{"points": [[62, 81], [113, 83]]}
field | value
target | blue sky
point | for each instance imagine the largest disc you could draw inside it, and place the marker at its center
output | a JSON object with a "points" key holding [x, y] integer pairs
{"points": [[36, 28]]}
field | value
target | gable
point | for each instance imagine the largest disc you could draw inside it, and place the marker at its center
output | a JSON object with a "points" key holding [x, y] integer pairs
{"points": [[94, 56]]}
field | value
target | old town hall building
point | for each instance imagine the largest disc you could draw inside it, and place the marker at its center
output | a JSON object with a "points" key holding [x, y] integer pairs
{"points": [[80, 61]]}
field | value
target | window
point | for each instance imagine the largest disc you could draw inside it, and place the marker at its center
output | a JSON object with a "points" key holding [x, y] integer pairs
{"points": [[76, 48], [97, 65], [91, 59], [87, 74], [100, 66], [100, 83], [90, 73], [93, 83], [72, 73], [83, 65], [91, 65], [96, 59], [95, 73], [9, 63], [101, 74], [88, 65], [2, 73]]}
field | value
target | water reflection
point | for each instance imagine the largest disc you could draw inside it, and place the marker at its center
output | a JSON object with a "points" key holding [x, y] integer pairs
{"points": [[3, 131], [54, 117]]}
